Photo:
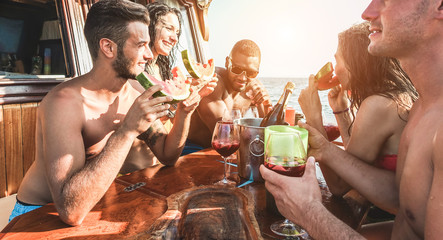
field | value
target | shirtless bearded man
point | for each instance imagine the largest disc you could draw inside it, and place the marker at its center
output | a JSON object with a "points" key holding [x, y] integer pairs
{"points": [[90, 126]]}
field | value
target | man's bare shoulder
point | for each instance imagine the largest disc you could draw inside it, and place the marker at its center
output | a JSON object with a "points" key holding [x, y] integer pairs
{"points": [[64, 97], [425, 128], [438, 141], [429, 114], [433, 120]]}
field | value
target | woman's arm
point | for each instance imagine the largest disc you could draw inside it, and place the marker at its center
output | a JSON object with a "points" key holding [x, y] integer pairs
{"points": [[339, 104], [310, 104], [167, 147]]}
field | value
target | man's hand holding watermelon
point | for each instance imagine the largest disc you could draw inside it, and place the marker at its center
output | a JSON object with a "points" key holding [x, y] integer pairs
{"points": [[145, 110], [188, 91]]}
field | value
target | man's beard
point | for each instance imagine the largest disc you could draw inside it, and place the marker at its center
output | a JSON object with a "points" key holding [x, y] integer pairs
{"points": [[122, 66]]}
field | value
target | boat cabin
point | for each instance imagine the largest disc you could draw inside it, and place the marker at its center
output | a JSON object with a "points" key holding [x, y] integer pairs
{"points": [[41, 45]]}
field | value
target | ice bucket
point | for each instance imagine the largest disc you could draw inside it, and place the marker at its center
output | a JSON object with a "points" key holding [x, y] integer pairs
{"points": [[251, 152]]}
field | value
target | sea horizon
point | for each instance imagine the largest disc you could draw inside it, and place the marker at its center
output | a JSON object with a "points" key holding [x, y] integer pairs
{"points": [[275, 86]]}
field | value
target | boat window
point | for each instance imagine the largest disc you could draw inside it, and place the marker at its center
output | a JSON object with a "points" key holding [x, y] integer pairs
{"points": [[44, 39], [31, 43]]}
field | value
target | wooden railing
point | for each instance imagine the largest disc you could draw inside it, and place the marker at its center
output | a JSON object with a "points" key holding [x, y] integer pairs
{"points": [[17, 144], [19, 99]]}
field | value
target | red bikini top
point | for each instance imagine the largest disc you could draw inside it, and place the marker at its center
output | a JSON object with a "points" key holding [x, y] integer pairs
{"points": [[388, 162]]}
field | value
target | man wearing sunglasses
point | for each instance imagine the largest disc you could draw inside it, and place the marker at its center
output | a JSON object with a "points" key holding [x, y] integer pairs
{"points": [[238, 87]]}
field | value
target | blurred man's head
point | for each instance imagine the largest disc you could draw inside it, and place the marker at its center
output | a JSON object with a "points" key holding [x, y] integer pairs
{"points": [[243, 64], [401, 27]]}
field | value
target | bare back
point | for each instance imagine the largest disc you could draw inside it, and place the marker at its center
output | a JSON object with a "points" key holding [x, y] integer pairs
{"points": [[377, 128]]}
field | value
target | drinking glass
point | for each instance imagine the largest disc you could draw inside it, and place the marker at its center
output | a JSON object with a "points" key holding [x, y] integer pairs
{"points": [[290, 116], [225, 140], [251, 112], [234, 114], [332, 131], [285, 154]]}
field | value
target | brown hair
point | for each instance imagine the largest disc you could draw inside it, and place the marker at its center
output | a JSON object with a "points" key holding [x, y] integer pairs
{"points": [[373, 75], [109, 19], [156, 11]]}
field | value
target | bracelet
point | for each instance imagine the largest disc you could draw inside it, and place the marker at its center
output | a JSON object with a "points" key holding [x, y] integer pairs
{"points": [[347, 109]]}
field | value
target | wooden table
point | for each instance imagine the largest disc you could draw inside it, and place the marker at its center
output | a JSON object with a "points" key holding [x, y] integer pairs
{"points": [[121, 214]]}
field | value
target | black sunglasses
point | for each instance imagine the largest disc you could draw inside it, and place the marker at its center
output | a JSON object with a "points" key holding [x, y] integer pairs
{"points": [[238, 70]]}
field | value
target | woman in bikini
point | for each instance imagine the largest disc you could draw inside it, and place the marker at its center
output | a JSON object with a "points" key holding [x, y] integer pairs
{"points": [[371, 105]]}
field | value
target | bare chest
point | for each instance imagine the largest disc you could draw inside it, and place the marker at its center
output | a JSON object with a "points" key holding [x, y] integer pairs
{"points": [[101, 121], [241, 101], [415, 173]]}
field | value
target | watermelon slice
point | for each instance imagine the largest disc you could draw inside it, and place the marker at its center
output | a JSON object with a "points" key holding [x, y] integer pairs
{"points": [[325, 78], [177, 87], [198, 70]]}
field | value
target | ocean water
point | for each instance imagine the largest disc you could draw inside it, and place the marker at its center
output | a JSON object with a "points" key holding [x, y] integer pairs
{"points": [[275, 88]]}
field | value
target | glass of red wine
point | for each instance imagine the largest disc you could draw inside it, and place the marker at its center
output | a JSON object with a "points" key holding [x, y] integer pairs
{"points": [[225, 140], [285, 154], [332, 131]]}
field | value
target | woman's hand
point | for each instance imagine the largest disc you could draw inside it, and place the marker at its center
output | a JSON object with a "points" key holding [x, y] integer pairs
{"points": [[337, 99], [209, 87], [310, 103], [199, 91]]}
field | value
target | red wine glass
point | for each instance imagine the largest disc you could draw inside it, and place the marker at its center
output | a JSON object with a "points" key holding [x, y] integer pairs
{"points": [[225, 140], [285, 154], [332, 131]]}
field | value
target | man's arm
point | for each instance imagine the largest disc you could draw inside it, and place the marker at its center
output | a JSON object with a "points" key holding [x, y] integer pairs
{"points": [[299, 200], [377, 185], [76, 184]]}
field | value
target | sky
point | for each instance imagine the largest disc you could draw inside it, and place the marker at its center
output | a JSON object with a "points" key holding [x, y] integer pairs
{"points": [[296, 37]]}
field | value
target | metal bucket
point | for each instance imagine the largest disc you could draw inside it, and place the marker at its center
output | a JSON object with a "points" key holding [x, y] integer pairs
{"points": [[251, 152]]}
